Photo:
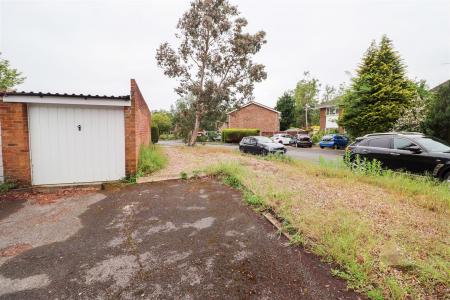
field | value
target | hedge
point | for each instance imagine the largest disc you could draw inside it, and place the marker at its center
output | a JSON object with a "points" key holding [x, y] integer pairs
{"points": [[235, 135], [155, 134]]}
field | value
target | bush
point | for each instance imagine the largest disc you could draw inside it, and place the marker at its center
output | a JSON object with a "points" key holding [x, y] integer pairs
{"points": [[151, 159], [212, 135], [6, 186], [235, 135], [155, 134], [202, 139], [317, 136]]}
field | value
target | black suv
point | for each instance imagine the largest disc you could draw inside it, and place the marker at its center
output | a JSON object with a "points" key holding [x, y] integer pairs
{"points": [[408, 151]]}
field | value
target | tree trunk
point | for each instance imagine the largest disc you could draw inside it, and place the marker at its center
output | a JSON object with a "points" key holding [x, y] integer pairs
{"points": [[196, 129]]}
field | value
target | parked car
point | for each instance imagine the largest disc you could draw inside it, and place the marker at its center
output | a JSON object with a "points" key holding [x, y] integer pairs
{"points": [[412, 152], [282, 138], [260, 145], [303, 140], [335, 141]]}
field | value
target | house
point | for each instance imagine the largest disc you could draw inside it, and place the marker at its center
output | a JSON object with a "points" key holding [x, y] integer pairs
{"points": [[329, 114], [51, 138], [255, 115]]}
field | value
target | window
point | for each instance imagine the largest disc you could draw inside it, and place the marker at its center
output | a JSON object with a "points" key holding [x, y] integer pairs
{"points": [[383, 142], [434, 144], [402, 144], [332, 110]]}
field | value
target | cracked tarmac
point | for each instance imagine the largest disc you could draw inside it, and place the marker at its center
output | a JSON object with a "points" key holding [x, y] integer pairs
{"points": [[168, 240]]}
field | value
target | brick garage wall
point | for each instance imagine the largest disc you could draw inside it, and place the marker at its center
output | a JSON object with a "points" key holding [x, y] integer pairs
{"points": [[137, 128], [254, 116], [15, 143]]}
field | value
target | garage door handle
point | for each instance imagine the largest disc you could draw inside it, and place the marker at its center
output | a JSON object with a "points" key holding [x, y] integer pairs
{"points": [[394, 154]]}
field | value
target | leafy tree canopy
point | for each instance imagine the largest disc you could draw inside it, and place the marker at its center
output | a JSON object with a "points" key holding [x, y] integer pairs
{"points": [[306, 93], [162, 119], [414, 116], [437, 122], [286, 105], [9, 77], [213, 62], [380, 92]]}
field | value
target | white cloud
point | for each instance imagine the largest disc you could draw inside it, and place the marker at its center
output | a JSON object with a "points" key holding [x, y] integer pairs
{"points": [[97, 46]]}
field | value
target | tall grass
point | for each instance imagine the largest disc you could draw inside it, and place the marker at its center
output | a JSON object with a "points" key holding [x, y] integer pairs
{"points": [[362, 253], [425, 191], [151, 159]]}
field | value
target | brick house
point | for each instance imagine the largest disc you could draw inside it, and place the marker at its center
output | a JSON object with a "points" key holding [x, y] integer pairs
{"points": [[329, 115], [254, 115], [51, 138]]}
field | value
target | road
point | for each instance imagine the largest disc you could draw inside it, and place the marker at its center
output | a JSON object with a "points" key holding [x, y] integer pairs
{"points": [[310, 154]]}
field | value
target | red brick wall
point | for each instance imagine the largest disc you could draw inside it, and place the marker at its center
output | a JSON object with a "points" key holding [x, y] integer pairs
{"points": [[137, 128], [15, 143], [323, 118], [254, 116]]}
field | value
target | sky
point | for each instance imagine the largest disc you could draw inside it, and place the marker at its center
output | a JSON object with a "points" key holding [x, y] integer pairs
{"points": [[97, 46]]}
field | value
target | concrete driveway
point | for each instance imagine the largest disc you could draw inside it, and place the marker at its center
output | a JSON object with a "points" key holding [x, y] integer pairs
{"points": [[167, 240]]}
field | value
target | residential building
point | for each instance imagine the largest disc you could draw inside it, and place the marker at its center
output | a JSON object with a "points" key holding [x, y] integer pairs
{"points": [[255, 115]]}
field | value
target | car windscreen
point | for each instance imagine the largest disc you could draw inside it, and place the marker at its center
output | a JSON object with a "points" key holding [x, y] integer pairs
{"points": [[327, 138], [434, 144], [263, 139]]}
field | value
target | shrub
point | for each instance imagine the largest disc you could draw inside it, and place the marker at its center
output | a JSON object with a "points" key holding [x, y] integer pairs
{"points": [[202, 139], [6, 186], [235, 135], [151, 159], [212, 135], [155, 134], [317, 136]]}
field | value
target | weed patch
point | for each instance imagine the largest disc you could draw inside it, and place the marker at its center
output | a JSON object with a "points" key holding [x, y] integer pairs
{"points": [[151, 159], [6, 186]]}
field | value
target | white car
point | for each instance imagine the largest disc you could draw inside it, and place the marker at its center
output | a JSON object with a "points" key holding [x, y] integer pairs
{"points": [[283, 138]]}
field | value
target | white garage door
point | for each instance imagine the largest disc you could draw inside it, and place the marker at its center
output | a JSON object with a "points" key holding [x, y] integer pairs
{"points": [[76, 144]]}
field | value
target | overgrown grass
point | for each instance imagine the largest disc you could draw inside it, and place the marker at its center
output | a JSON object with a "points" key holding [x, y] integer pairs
{"points": [[151, 159], [426, 191], [394, 264]]}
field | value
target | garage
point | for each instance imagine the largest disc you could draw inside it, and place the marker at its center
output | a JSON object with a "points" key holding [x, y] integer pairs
{"points": [[75, 144], [53, 138]]}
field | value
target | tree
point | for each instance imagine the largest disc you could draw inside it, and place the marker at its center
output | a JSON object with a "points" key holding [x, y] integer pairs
{"points": [[380, 92], [437, 122], [184, 115], [286, 105], [414, 116], [9, 77], [306, 94], [162, 119], [213, 62]]}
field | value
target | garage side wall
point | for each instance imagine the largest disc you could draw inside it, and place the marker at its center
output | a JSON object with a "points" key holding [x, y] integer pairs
{"points": [[15, 143], [137, 128]]}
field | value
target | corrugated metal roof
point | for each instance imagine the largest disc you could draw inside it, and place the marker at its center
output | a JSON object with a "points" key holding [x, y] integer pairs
{"points": [[85, 96]]}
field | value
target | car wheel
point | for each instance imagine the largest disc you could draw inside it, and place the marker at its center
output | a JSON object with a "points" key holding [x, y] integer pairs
{"points": [[321, 147], [264, 152]]}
